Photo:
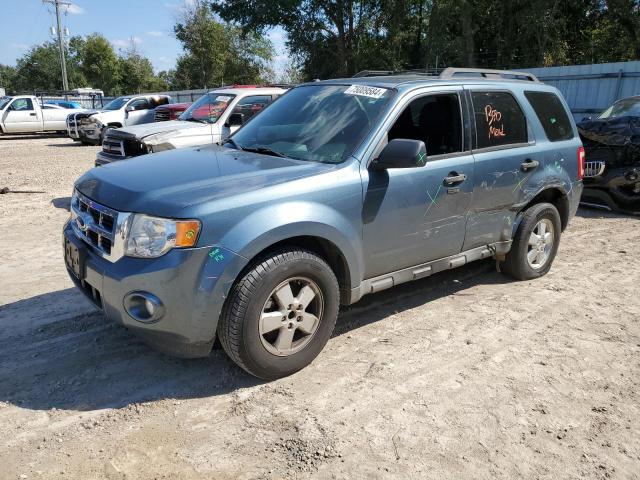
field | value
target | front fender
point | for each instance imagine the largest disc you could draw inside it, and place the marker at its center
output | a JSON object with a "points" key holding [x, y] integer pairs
{"points": [[272, 224]]}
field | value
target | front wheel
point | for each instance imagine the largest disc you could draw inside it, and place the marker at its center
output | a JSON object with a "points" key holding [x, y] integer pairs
{"points": [[280, 314], [535, 243]]}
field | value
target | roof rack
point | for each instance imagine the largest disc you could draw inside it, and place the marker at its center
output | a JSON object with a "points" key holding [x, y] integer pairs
{"points": [[451, 72], [429, 72], [488, 74]]}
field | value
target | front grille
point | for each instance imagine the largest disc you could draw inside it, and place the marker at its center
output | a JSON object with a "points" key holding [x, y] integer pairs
{"points": [[593, 169], [112, 146], [123, 147], [94, 223], [162, 116]]}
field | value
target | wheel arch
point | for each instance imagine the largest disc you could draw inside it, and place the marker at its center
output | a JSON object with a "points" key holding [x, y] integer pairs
{"points": [[324, 248], [557, 197]]}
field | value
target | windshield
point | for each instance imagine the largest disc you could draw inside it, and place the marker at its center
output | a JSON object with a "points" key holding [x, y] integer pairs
{"points": [[623, 108], [116, 104], [208, 108], [320, 123], [4, 101]]}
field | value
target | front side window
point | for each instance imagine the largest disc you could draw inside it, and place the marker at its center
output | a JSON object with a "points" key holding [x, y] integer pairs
{"points": [[551, 114], [434, 119], [249, 106], [22, 105], [318, 123], [117, 103], [208, 108], [499, 120], [139, 104], [629, 107]]}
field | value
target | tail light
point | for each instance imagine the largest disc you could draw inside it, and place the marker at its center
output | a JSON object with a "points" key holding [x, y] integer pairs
{"points": [[581, 163]]}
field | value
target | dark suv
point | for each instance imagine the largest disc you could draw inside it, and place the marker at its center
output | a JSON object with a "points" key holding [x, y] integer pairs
{"points": [[339, 189]]}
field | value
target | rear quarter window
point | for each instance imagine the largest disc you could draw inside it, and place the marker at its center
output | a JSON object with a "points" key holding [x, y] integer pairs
{"points": [[499, 119], [552, 115]]}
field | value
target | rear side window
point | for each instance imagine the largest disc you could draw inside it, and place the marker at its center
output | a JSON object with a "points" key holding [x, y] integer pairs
{"points": [[499, 119], [551, 114]]}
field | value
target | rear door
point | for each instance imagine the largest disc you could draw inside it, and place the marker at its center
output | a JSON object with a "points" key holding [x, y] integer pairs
{"points": [[22, 116], [505, 162]]}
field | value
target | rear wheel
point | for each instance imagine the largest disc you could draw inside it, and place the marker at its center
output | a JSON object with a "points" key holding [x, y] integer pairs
{"points": [[280, 314], [535, 243]]}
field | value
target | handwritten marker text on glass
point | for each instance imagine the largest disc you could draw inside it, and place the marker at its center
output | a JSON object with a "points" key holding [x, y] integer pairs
{"points": [[493, 116]]}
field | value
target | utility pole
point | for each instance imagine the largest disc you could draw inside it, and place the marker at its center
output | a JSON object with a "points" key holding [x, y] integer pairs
{"points": [[63, 63]]}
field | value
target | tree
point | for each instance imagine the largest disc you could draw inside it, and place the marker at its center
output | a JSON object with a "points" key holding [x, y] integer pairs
{"points": [[218, 53], [100, 65], [7, 78], [137, 72]]}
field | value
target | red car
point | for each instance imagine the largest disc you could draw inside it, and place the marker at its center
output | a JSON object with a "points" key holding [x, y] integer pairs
{"points": [[170, 111]]}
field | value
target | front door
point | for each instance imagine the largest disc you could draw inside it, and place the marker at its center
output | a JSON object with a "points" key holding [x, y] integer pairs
{"points": [[415, 215], [21, 116], [138, 111]]}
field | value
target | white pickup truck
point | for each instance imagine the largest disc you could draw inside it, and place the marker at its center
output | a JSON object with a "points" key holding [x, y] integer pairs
{"points": [[212, 118], [25, 114], [91, 127]]}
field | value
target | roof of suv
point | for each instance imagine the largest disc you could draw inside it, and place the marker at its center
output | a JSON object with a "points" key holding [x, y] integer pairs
{"points": [[450, 76]]}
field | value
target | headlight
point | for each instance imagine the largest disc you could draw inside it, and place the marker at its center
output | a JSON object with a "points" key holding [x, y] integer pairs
{"points": [[150, 237]]}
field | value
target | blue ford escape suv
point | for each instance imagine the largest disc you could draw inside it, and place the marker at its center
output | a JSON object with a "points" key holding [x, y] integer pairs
{"points": [[339, 189]]}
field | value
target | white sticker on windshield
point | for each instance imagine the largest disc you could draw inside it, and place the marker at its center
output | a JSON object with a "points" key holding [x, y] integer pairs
{"points": [[365, 91], [223, 98]]}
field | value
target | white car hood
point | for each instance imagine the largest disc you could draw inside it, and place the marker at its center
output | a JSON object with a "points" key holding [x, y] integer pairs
{"points": [[173, 127]]}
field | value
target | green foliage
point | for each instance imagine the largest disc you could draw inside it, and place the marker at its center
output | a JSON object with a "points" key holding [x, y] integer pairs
{"points": [[7, 78], [331, 38], [217, 53], [100, 65]]}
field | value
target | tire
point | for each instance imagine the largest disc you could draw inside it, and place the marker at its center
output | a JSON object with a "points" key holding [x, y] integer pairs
{"points": [[256, 313], [518, 262]]}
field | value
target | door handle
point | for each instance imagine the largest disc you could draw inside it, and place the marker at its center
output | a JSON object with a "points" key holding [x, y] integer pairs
{"points": [[454, 178], [529, 164], [32, 114]]}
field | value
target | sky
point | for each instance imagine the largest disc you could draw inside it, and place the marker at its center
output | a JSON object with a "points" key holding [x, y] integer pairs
{"points": [[24, 23]]}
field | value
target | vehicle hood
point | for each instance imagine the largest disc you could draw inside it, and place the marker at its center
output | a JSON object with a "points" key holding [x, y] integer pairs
{"points": [[146, 130], [616, 131], [172, 183], [100, 113], [615, 141]]}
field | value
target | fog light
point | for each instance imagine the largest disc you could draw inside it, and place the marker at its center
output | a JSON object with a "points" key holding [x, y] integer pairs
{"points": [[144, 307]]}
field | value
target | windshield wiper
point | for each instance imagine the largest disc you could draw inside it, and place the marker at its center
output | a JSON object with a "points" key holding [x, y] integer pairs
{"points": [[191, 119], [264, 150]]}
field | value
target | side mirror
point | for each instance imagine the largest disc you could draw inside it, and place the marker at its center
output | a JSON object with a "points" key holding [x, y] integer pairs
{"points": [[130, 108], [235, 120], [401, 153]]}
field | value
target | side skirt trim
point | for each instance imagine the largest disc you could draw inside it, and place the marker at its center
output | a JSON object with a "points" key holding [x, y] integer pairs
{"points": [[388, 280]]}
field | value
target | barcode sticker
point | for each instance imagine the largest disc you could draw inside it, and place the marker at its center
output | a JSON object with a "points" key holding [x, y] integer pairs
{"points": [[365, 91]]}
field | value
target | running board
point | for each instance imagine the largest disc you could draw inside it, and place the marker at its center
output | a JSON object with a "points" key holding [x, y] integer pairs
{"points": [[423, 270]]}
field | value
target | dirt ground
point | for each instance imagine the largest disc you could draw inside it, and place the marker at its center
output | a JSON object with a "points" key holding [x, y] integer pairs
{"points": [[463, 375]]}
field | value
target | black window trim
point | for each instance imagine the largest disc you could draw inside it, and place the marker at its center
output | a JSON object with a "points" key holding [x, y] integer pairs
{"points": [[531, 141], [466, 146]]}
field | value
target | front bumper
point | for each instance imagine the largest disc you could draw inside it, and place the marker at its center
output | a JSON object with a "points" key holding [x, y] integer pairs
{"points": [[617, 188], [190, 283]]}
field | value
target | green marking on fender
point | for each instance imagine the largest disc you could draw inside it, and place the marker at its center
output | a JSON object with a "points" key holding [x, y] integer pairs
{"points": [[216, 254]]}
